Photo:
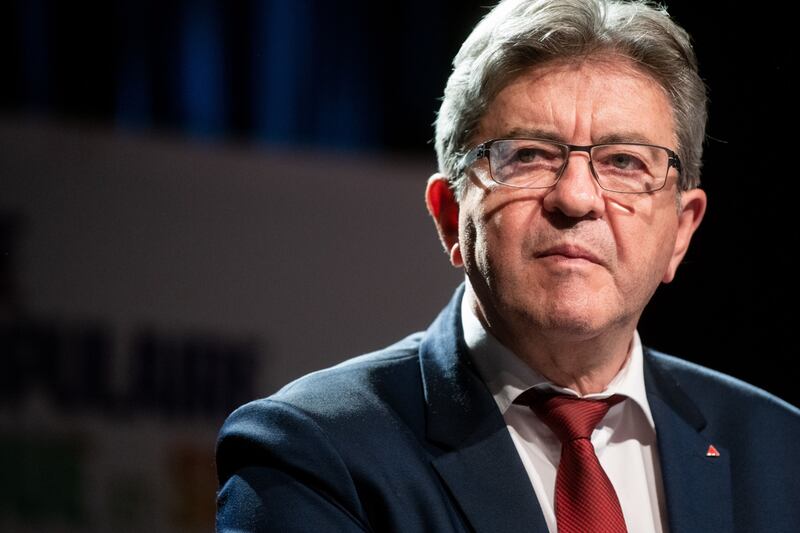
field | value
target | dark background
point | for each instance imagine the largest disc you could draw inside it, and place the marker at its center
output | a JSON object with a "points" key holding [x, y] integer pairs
{"points": [[364, 78]]}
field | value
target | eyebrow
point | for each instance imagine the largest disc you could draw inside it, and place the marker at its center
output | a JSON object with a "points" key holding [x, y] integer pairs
{"points": [[618, 137], [535, 133], [625, 137]]}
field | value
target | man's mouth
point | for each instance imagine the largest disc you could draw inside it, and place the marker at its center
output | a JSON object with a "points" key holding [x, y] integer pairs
{"points": [[570, 252]]}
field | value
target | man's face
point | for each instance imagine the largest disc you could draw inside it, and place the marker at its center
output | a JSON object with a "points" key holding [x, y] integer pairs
{"points": [[572, 261]]}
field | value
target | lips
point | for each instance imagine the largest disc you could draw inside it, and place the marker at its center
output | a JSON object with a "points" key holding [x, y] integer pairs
{"points": [[570, 251]]}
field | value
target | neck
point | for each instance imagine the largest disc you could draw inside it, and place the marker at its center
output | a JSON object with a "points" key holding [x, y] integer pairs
{"points": [[585, 362], [585, 366]]}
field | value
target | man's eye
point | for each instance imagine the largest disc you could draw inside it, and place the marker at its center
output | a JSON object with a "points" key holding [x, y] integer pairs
{"points": [[530, 155], [526, 155], [625, 162]]}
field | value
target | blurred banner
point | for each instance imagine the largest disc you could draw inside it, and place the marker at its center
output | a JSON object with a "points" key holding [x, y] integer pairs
{"points": [[150, 286]]}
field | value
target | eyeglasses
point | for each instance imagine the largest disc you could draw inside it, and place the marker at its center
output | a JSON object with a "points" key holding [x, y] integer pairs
{"points": [[539, 163]]}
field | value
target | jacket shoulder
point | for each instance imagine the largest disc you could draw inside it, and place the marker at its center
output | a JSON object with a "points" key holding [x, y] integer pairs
{"points": [[355, 383], [357, 396], [723, 392]]}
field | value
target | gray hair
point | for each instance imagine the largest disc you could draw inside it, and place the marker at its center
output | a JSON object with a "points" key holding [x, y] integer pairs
{"points": [[518, 34]]}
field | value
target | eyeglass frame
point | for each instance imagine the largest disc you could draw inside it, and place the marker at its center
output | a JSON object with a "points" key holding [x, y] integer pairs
{"points": [[484, 150]]}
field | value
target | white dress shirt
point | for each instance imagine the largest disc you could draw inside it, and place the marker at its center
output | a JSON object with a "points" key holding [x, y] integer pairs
{"points": [[625, 440]]}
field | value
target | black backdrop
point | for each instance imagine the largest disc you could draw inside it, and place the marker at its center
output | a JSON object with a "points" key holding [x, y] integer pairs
{"points": [[365, 77]]}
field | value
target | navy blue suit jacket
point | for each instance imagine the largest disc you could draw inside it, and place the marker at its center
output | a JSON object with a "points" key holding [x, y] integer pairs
{"points": [[410, 439]]}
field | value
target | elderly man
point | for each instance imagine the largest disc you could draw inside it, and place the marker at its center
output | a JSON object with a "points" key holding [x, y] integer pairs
{"points": [[569, 143]]}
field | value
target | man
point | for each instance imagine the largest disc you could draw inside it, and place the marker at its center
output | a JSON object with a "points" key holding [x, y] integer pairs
{"points": [[569, 143]]}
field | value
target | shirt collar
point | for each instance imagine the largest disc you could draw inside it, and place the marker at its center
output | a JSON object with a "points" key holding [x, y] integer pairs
{"points": [[507, 376]]}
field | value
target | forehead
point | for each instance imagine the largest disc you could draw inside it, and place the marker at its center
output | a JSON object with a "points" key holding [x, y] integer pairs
{"points": [[585, 101]]}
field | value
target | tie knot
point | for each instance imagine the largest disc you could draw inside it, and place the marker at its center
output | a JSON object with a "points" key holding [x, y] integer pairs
{"points": [[568, 417]]}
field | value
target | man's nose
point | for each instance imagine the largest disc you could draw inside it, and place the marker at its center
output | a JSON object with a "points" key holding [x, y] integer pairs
{"points": [[577, 193]]}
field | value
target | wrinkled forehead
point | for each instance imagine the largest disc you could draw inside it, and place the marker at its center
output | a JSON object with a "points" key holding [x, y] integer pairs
{"points": [[601, 95]]}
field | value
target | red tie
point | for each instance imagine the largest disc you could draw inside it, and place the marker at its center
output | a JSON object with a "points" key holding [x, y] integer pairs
{"points": [[585, 498]]}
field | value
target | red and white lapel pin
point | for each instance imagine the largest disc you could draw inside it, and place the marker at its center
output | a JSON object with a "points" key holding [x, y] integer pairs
{"points": [[712, 451]]}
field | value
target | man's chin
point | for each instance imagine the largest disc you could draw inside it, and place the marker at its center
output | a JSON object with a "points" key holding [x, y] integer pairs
{"points": [[570, 324]]}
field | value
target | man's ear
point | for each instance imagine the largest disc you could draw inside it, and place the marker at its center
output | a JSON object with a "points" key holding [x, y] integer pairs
{"points": [[693, 207], [443, 207]]}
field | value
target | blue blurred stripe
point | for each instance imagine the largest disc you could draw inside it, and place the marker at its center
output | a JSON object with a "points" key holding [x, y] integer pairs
{"points": [[201, 93], [282, 70]]}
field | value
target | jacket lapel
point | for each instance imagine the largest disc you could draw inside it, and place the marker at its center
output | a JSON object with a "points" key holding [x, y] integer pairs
{"points": [[697, 486], [475, 456]]}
